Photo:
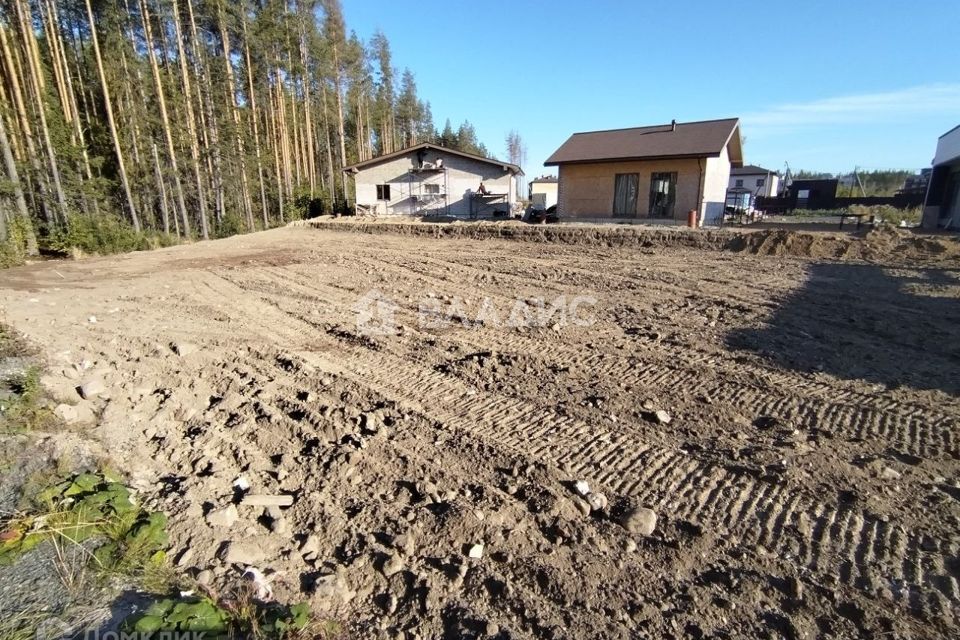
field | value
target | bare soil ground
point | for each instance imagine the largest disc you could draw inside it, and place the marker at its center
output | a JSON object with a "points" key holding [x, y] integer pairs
{"points": [[806, 485]]}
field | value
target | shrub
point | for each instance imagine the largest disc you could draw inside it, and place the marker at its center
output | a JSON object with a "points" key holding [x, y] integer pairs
{"points": [[13, 250], [101, 235], [889, 214], [231, 225]]}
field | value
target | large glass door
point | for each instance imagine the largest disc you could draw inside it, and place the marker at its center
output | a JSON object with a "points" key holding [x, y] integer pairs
{"points": [[663, 194], [625, 189]]}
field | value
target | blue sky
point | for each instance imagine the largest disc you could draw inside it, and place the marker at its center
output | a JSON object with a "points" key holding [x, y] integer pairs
{"points": [[821, 85]]}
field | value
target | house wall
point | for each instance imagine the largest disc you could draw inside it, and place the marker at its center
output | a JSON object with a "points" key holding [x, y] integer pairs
{"points": [[769, 189], [715, 181], [461, 178], [549, 189], [941, 204], [586, 190], [948, 146]]}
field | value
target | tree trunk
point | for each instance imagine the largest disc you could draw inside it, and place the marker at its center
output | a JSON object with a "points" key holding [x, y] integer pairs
{"points": [[191, 121], [340, 129], [35, 80], [326, 131], [208, 120], [165, 120], [11, 169], [161, 189], [232, 90], [110, 120], [72, 97], [307, 114], [52, 33], [254, 117]]}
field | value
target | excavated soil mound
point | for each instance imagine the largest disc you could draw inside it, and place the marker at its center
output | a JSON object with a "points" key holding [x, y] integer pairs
{"points": [[883, 243]]}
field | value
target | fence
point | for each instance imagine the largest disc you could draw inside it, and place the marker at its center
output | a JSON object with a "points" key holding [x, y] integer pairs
{"points": [[786, 204]]}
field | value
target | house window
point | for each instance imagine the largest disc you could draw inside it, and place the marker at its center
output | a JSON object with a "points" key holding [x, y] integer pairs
{"points": [[431, 189], [625, 189], [383, 192], [738, 183], [663, 194], [760, 182]]}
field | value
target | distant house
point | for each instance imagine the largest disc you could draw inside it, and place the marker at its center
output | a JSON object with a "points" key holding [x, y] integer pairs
{"points": [[942, 205], [757, 180], [428, 179], [657, 172], [543, 192]]}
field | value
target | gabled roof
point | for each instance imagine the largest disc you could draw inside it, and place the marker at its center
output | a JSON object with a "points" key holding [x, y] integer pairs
{"points": [[750, 170], [686, 140], [353, 168]]}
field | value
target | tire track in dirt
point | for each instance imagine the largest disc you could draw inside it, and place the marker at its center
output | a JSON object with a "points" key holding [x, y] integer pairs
{"points": [[767, 523], [764, 523], [766, 520], [288, 380], [926, 436], [908, 428]]}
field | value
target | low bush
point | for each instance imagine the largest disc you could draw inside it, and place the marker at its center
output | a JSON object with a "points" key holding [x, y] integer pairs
{"points": [[102, 235], [889, 214], [13, 250]]}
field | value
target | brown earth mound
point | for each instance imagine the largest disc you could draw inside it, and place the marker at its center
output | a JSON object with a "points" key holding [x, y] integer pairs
{"points": [[883, 243]]}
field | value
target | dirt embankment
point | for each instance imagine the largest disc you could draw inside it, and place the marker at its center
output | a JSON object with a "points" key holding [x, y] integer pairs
{"points": [[880, 244]]}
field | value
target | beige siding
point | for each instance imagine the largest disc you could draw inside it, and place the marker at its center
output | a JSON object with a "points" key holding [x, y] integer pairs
{"points": [[462, 177], [586, 190]]}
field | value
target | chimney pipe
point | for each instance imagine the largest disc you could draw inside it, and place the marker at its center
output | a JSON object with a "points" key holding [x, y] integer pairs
{"points": [[673, 125]]}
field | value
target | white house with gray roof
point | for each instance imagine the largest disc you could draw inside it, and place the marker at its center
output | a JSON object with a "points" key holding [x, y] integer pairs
{"points": [[430, 180], [757, 180]]}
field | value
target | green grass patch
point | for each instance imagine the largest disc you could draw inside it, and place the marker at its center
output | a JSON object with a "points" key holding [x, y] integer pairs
{"points": [[239, 615], [24, 409], [12, 344], [128, 542], [86, 506]]}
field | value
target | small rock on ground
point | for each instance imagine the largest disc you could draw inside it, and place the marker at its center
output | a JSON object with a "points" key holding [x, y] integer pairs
{"points": [[92, 388], [639, 520], [245, 554]]}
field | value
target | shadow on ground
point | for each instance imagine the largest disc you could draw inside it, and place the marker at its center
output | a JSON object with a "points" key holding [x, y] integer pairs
{"points": [[894, 326]]}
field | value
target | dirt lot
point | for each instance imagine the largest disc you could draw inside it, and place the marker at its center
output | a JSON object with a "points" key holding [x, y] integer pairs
{"points": [[803, 470]]}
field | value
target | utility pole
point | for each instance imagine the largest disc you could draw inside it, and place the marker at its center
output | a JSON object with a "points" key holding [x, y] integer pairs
{"points": [[856, 174]]}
